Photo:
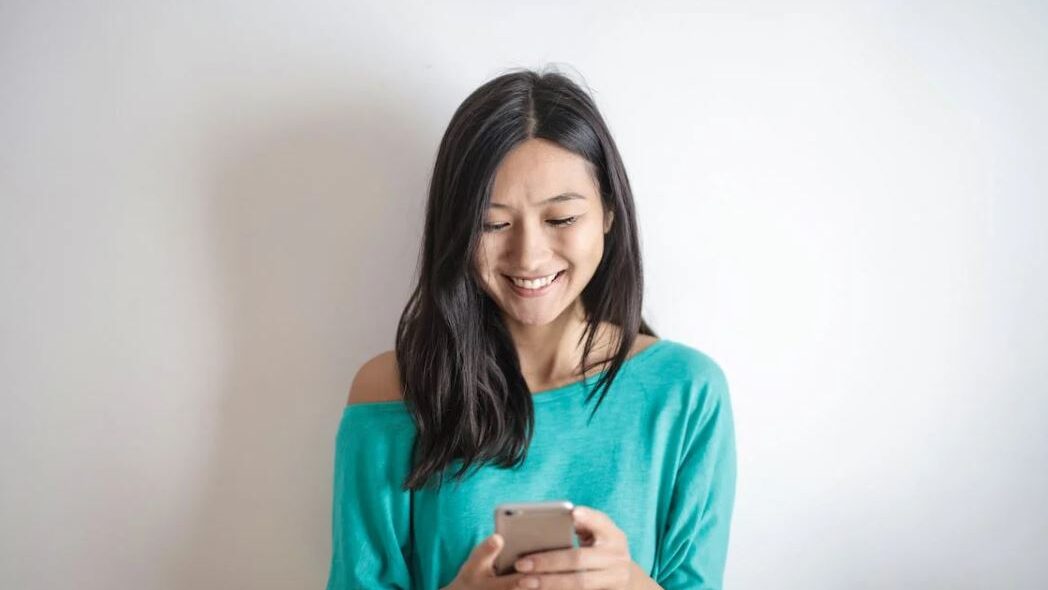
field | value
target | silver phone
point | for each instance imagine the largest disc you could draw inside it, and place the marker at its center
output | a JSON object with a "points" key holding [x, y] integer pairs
{"points": [[532, 527]]}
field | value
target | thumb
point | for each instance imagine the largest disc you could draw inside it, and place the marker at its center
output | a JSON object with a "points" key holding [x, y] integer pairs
{"points": [[485, 553]]}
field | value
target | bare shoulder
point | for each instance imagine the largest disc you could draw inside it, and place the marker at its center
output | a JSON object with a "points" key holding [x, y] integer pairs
{"points": [[377, 380]]}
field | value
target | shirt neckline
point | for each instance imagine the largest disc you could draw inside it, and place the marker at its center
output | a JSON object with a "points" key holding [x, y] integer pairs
{"points": [[545, 395], [538, 397]]}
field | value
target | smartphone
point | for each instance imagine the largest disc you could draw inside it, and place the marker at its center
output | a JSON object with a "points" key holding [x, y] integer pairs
{"points": [[532, 527]]}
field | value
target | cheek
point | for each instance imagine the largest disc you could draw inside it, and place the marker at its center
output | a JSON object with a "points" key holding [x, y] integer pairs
{"points": [[585, 247]]}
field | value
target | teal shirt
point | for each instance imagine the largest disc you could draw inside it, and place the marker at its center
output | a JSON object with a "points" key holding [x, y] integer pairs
{"points": [[658, 457]]}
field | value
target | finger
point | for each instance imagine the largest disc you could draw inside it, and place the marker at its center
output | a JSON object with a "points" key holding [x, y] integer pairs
{"points": [[596, 524], [483, 565], [587, 580], [482, 558], [506, 582], [568, 560]]}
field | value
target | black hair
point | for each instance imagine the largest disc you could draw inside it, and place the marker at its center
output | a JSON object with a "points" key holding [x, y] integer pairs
{"points": [[458, 367]]}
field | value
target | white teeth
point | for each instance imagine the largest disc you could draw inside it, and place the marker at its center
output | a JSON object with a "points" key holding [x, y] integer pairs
{"points": [[535, 284]]}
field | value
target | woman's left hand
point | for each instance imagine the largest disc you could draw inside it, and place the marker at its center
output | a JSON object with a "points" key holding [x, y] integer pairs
{"points": [[602, 561]]}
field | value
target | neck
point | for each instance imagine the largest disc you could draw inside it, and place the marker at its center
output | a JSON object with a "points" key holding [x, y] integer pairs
{"points": [[551, 353]]}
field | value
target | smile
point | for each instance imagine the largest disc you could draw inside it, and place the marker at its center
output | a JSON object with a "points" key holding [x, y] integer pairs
{"points": [[534, 288]]}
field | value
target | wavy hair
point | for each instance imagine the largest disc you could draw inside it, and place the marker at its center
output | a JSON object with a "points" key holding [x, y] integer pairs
{"points": [[459, 370]]}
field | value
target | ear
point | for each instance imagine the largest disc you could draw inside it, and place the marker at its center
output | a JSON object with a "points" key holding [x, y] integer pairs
{"points": [[609, 216]]}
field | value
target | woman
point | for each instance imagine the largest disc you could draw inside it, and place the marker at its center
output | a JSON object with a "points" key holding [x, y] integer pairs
{"points": [[530, 286]]}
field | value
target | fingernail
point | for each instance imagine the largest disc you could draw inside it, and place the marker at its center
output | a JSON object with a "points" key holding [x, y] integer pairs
{"points": [[524, 565], [530, 583]]}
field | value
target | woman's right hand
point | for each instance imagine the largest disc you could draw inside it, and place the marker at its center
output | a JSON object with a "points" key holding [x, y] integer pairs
{"points": [[478, 573]]}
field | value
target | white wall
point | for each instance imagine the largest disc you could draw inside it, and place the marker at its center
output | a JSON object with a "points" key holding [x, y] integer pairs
{"points": [[209, 216]]}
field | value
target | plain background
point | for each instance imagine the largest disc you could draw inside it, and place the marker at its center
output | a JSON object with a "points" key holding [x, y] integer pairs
{"points": [[210, 215]]}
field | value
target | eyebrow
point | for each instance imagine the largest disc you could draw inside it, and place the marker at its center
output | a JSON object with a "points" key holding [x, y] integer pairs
{"points": [[568, 196]]}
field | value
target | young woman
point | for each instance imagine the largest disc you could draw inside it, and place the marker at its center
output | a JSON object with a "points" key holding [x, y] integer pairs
{"points": [[529, 287]]}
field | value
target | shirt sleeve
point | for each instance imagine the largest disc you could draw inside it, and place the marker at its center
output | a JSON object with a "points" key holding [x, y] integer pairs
{"points": [[370, 512], [695, 540]]}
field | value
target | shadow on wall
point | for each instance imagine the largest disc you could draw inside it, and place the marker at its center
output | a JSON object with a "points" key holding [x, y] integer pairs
{"points": [[316, 216]]}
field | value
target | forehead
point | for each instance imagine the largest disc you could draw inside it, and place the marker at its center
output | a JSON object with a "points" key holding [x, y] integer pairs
{"points": [[539, 172]]}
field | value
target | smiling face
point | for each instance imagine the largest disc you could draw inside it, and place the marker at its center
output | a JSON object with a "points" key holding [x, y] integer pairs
{"points": [[545, 218]]}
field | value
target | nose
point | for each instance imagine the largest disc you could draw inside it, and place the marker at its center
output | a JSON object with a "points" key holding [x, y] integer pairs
{"points": [[529, 247]]}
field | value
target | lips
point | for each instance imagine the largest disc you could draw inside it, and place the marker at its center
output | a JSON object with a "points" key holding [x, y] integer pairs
{"points": [[524, 292]]}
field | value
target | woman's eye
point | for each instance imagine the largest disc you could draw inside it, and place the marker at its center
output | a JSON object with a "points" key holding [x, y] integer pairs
{"points": [[490, 227], [565, 221]]}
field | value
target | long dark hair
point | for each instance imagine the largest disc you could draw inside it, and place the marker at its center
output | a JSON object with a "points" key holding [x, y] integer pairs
{"points": [[459, 370]]}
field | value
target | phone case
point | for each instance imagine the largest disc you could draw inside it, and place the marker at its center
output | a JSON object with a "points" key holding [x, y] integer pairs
{"points": [[531, 527]]}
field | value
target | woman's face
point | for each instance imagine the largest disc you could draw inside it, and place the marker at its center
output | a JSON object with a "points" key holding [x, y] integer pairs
{"points": [[545, 218]]}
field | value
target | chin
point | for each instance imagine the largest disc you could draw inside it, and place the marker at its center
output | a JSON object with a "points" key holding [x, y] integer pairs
{"points": [[535, 317], [528, 319]]}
